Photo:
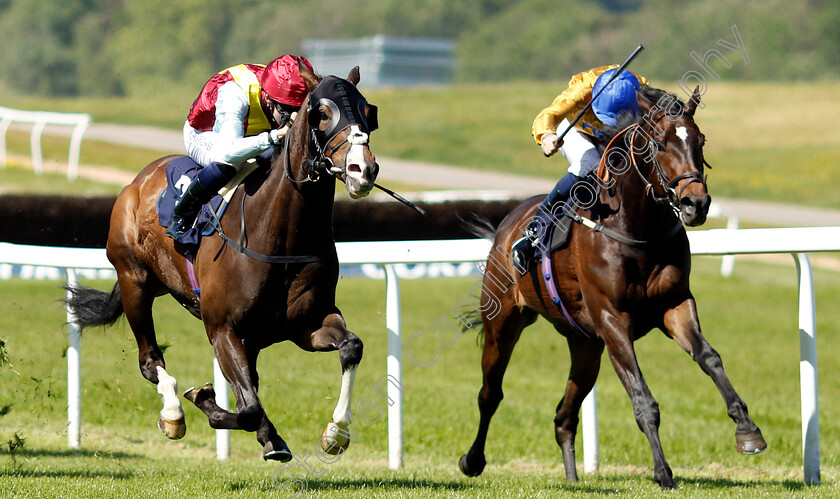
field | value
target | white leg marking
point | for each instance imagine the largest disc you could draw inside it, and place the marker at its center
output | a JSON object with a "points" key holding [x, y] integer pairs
{"points": [[167, 387], [338, 434], [342, 415], [682, 133]]}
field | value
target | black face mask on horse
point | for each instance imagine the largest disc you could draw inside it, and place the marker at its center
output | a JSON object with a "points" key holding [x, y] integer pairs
{"points": [[350, 108]]}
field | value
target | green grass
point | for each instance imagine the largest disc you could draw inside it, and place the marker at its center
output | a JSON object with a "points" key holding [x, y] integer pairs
{"points": [[751, 319], [766, 141]]}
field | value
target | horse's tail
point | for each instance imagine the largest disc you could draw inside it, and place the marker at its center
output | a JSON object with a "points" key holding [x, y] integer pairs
{"points": [[479, 226], [92, 307]]}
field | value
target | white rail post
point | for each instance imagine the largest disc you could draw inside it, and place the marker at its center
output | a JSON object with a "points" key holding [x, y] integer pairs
{"points": [[808, 371], [589, 417], [74, 371], [35, 144], [394, 367], [727, 264], [5, 122], [75, 149], [222, 389]]}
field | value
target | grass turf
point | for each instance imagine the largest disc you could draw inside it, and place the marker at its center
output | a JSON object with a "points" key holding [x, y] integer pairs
{"points": [[749, 318]]}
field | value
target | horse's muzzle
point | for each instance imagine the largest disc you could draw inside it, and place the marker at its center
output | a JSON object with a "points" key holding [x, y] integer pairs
{"points": [[695, 209], [360, 178]]}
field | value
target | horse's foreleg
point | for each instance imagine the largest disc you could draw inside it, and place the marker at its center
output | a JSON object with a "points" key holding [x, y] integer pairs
{"points": [[623, 358], [334, 335], [682, 324], [586, 362], [239, 367]]}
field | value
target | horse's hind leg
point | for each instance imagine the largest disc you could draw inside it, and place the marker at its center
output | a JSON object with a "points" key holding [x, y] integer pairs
{"points": [[500, 337], [681, 324], [586, 362], [137, 301], [333, 335]]}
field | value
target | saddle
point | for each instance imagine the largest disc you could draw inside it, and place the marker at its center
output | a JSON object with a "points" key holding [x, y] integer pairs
{"points": [[179, 174], [558, 228]]}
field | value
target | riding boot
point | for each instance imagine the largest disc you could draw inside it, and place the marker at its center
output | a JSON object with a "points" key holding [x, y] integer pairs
{"points": [[522, 250], [208, 181]]}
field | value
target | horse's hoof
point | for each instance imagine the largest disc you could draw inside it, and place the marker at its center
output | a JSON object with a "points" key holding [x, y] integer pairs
{"points": [[277, 450], [174, 430], [334, 440], [750, 443], [200, 394], [468, 469]]}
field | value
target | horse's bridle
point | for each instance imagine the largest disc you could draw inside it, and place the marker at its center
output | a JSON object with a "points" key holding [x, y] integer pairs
{"points": [[320, 154], [667, 185]]}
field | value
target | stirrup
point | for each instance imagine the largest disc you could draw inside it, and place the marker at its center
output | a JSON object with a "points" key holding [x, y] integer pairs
{"points": [[521, 251], [178, 227]]}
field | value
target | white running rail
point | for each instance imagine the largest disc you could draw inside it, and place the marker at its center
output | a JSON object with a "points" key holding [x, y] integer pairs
{"points": [[39, 120], [796, 241]]}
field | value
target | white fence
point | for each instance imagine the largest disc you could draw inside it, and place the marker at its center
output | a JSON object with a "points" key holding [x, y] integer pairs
{"points": [[39, 120], [797, 241]]}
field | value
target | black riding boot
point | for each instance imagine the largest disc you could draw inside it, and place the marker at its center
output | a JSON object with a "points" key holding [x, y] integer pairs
{"points": [[522, 250], [208, 181]]}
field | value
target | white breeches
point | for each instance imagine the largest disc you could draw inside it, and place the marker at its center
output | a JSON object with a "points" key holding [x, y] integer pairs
{"points": [[578, 151]]}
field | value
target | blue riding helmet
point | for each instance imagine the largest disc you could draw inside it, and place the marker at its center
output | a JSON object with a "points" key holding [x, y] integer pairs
{"points": [[618, 96]]}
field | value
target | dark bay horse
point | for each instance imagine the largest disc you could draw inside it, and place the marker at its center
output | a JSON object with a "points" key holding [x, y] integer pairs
{"points": [[247, 304], [615, 288]]}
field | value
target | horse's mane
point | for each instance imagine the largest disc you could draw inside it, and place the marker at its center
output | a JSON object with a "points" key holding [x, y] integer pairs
{"points": [[670, 102]]}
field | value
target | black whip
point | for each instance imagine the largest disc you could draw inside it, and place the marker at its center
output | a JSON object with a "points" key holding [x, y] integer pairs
{"points": [[613, 77], [400, 199]]}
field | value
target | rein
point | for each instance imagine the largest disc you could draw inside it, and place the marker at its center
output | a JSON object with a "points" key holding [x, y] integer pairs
{"points": [[311, 167], [636, 243], [671, 196], [240, 246]]}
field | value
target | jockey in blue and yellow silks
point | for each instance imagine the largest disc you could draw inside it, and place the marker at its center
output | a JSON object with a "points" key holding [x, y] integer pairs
{"points": [[618, 96], [239, 113]]}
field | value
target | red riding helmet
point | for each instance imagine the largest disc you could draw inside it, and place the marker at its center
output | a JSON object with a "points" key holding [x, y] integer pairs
{"points": [[282, 82]]}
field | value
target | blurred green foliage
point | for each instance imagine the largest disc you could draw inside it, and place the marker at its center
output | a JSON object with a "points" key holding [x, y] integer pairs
{"points": [[143, 47]]}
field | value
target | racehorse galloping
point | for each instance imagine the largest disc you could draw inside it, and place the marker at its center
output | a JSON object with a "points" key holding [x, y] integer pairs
{"points": [[615, 288], [246, 304]]}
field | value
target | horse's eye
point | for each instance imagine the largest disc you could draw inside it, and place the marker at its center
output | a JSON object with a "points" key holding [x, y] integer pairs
{"points": [[659, 146]]}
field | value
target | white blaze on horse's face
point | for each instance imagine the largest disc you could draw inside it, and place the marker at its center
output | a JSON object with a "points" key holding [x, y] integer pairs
{"points": [[682, 133], [359, 173]]}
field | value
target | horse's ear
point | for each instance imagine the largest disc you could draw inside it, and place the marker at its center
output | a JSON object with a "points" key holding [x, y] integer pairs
{"points": [[310, 78], [695, 99], [645, 104], [354, 77]]}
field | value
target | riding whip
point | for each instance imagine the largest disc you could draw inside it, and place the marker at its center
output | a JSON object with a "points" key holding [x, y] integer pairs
{"points": [[613, 77], [401, 199]]}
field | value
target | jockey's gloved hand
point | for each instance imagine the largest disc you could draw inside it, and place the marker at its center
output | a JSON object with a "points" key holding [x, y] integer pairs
{"points": [[277, 134], [550, 144]]}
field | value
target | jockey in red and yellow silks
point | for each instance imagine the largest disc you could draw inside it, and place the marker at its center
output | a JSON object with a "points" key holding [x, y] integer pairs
{"points": [[618, 95], [239, 113]]}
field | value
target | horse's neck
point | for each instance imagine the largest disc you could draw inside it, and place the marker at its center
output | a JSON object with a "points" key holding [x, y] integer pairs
{"points": [[632, 209], [294, 212]]}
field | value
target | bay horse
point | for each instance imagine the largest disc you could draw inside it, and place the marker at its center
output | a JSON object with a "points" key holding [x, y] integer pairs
{"points": [[277, 285], [616, 283]]}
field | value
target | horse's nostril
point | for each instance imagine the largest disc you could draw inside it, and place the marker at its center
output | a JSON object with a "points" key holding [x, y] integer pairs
{"points": [[354, 169]]}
